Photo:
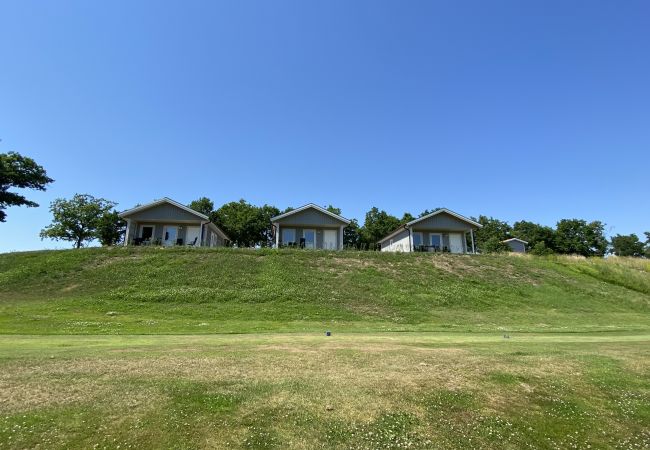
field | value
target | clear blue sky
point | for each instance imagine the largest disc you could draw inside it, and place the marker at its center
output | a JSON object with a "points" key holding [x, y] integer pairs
{"points": [[517, 110]]}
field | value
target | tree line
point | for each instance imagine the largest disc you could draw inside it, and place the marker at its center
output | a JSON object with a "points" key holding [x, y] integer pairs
{"points": [[84, 218]]}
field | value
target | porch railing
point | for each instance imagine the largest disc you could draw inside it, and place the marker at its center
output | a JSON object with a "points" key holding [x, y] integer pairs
{"points": [[431, 248]]}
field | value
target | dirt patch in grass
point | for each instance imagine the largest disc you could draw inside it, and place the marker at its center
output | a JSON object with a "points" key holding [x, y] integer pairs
{"points": [[71, 287], [17, 393], [451, 264]]}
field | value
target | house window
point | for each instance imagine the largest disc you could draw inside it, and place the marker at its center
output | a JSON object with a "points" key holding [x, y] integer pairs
{"points": [[288, 236], [436, 240], [310, 238], [147, 232], [417, 239]]}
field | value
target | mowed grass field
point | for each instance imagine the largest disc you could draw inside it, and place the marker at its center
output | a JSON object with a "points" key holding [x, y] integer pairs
{"points": [[198, 348], [358, 391]]}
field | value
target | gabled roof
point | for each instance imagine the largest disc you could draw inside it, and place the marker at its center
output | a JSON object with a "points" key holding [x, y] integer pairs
{"points": [[308, 206], [441, 210], [448, 211], [393, 233], [515, 239], [128, 212]]}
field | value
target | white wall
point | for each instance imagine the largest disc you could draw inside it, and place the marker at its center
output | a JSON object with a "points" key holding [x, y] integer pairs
{"points": [[400, 243]]}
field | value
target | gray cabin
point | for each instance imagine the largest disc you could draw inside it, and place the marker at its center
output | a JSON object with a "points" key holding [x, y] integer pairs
{"points": [[166, 222], [516, 245], [441, 231], [309, 226]]}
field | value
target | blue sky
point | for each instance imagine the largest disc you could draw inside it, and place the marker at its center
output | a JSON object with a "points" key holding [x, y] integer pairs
{"points": [[517, 110]]}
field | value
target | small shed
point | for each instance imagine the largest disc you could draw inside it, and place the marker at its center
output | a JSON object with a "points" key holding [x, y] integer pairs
{"points": [[516, 245]]}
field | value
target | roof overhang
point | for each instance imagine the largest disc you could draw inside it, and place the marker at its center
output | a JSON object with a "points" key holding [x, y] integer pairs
{"points": [[515, 239], [218, 230], [129, 212], [447, 211], [310, 206], [393, 233], [408, 225]]}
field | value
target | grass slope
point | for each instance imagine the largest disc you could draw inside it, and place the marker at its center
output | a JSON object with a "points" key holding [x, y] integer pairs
{"points": [[74, 376], [189, 291]]}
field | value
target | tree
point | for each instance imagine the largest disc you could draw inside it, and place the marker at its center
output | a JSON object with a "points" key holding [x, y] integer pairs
{"points": [[534, 234], [17, 171], [247, 225], [647, 243], [406, 218], [576, 236], [334, 210], [351, 236], [540, 249], [377, 225], [489, 239], [111, 229], [76, 220], [264, 224], [236, 220], [203, 205], [627, 245], [426, 212]]}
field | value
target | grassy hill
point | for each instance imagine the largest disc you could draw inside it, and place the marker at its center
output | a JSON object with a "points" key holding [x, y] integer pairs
{"points": [[198, 291], [573, 373]]}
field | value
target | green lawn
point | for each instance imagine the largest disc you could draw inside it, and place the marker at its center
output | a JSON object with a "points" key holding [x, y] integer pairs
{"points": [[397, 390], [199, 348]]}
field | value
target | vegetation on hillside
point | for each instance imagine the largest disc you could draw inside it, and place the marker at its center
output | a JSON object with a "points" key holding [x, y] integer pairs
{"points": [[84, 218], [178, 290], [543, 352]]}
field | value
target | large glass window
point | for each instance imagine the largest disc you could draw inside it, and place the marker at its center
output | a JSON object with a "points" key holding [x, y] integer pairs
{"points": [[310, 238], [288, 236], [417, 239], [436, 240]]}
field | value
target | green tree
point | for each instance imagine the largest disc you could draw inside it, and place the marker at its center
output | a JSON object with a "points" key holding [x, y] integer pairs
{"points": [[265, 213], [541, 249], [247, 225], [406, 218], [351, 236], [647, 243], [489, 239], [576, 236], [534, 234], [426, 212], [76, 220], [203, 205], [627, 245], [17, 171], [334, 209], [377, 225], [111, 229]]}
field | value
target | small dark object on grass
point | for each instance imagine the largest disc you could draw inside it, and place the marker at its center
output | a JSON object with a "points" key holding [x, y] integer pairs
{"points": [[328, 333], [506, 336]]}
